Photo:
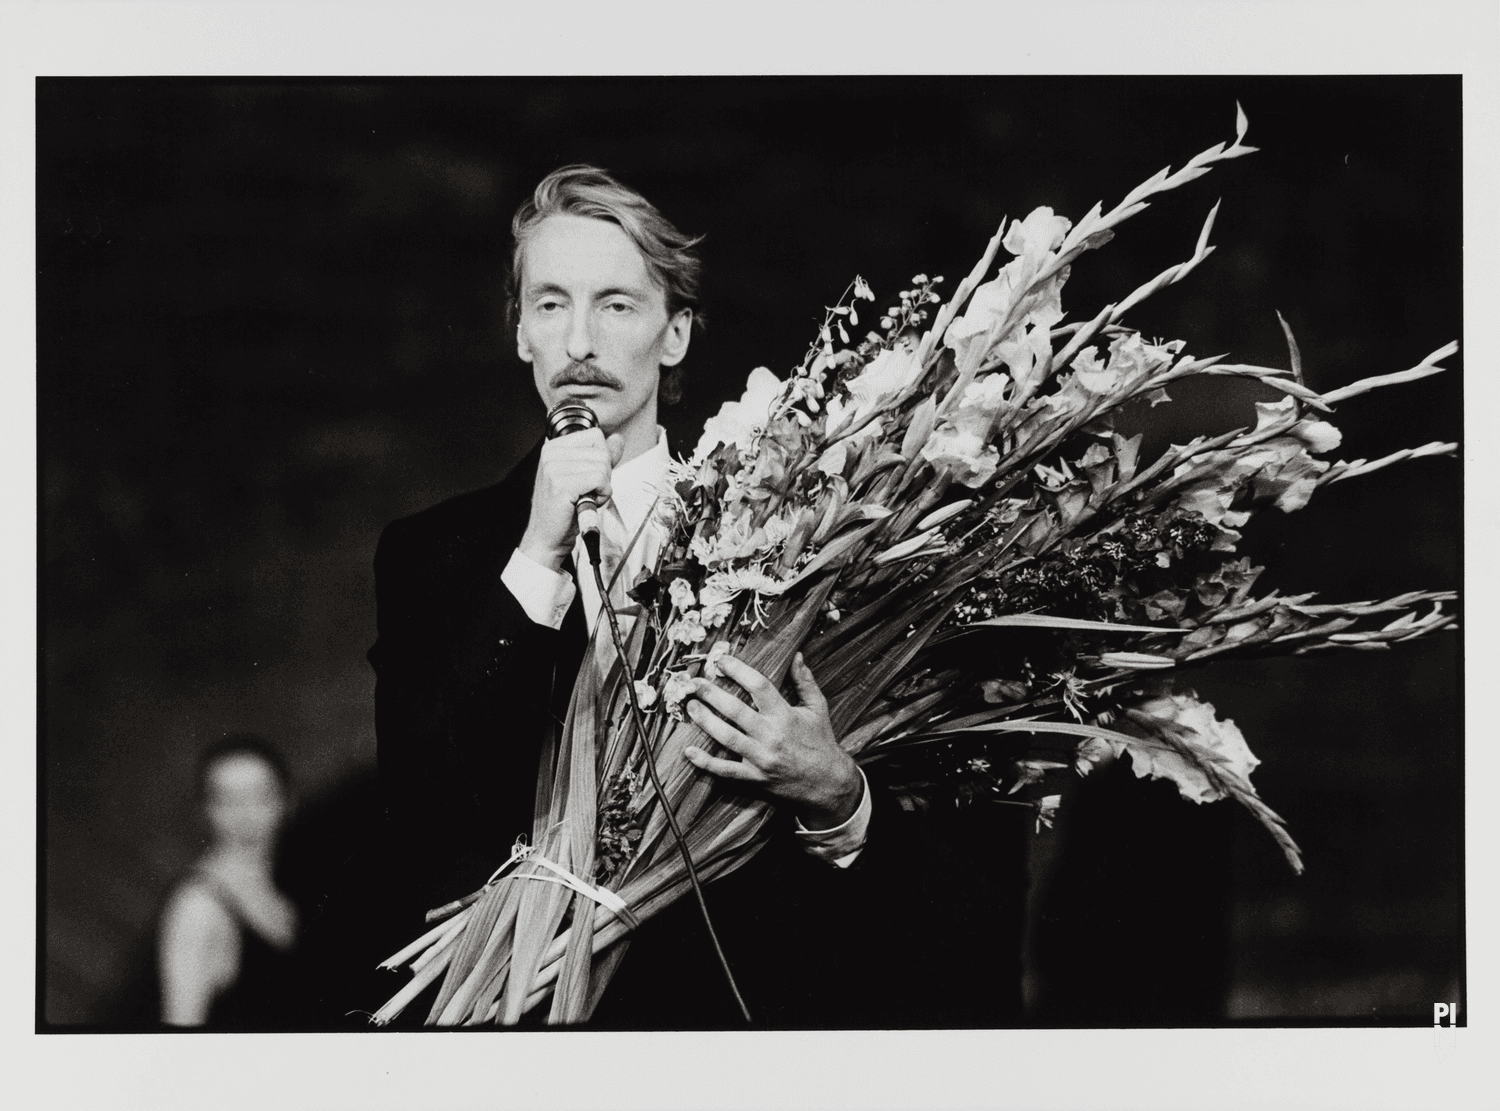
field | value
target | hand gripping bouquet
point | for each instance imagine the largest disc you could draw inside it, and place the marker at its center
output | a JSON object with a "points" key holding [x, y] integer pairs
{"points": [[989, 583]]}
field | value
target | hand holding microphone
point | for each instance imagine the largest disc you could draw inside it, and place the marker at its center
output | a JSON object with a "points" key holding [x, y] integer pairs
{"points": [[572, 481]]}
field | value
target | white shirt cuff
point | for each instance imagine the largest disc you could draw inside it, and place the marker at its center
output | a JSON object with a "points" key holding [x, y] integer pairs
{"points": [[544, 594], [841, 845]]}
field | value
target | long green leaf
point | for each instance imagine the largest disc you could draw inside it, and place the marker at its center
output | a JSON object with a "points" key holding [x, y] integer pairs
{"points": [[833, 552], [1045, 621], [853, 702], [478, 930], [538, 916]]}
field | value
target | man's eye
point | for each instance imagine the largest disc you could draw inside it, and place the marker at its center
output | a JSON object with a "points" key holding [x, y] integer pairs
{"points": [[618, 307], [548, 305]]}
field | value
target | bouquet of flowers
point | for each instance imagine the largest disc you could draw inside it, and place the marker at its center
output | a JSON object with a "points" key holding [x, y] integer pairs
{"points": [[990, 584]]}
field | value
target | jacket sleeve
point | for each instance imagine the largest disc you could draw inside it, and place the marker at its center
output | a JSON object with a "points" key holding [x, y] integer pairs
{"points": [[464, 696]]}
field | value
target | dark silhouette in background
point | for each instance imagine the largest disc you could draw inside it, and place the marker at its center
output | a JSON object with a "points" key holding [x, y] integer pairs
{"points": [[270, 321]]}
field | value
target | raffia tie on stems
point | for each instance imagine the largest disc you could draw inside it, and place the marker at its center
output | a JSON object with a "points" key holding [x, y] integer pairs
{"points": [[426, 951], [604, 897]]}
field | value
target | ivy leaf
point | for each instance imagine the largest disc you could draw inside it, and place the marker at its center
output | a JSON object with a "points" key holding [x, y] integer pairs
{"points": [[1229, 583], [1071, 501], [1165, 603], [647, 591], [1005, 690]]}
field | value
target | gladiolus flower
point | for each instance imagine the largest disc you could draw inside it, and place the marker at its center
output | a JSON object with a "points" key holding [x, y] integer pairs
{"points": [[738, 422]]}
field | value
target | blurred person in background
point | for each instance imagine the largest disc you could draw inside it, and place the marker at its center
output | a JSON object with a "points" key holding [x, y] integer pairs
{"points": [[227, 936]]}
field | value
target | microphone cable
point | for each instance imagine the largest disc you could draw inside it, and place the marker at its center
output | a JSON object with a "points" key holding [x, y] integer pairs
{"points": [[640, 729], [576, 418]]}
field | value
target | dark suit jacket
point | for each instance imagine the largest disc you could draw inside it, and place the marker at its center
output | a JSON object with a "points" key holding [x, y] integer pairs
{"points": [[923, 930]]}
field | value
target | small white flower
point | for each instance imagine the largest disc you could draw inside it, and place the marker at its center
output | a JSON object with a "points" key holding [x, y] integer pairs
{"points": [[777, 529], [711, 666], [737, 540], [715, 615], [645, 694], [748, 578], [702, 549], [677, 687], [681, 594], [688, 629], [666, 510], [1046, 811], [717, 590]]}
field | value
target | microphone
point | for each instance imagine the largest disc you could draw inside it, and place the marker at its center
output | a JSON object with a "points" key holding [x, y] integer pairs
{"points": [[565, 419]]}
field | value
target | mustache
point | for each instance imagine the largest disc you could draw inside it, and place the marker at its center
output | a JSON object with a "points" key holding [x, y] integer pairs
{"points": [[585, 374]]}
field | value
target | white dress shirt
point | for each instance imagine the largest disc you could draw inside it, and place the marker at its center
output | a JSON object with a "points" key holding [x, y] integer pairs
{"points": [[546, 595]]}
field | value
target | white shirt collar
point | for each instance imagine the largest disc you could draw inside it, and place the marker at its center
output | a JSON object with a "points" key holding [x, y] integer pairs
{"points": [[636, 481]]}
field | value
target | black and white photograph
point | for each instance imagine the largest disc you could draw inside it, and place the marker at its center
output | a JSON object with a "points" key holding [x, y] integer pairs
{"points": [[572, 557]]}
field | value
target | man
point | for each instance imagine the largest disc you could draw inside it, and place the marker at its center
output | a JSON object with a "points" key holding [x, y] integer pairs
{"points": [[485, 603]]}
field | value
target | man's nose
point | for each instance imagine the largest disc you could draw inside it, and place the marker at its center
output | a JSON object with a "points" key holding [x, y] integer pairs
{"points": [[580, 335]]}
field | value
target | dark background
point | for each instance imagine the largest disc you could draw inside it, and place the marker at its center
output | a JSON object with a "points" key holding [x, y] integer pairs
{"points": [[269, 322]]}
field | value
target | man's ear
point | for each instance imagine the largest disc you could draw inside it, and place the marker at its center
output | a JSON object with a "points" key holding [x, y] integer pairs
{"points": [[679, 332], [523, 348]]}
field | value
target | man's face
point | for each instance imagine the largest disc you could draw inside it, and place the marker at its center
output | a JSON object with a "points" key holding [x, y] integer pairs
{"points": [[594, 326]]}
